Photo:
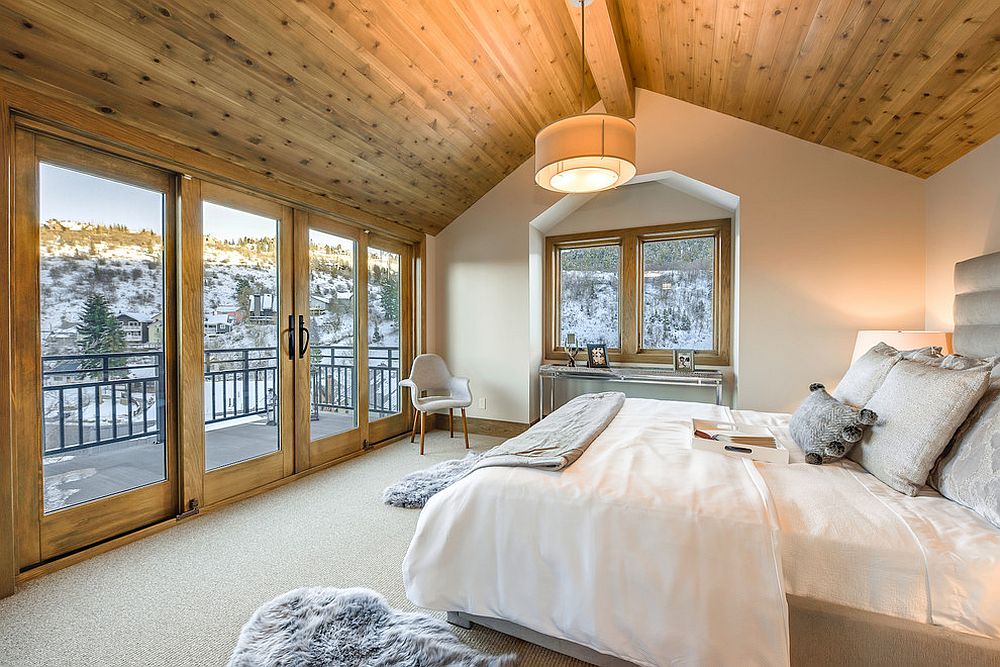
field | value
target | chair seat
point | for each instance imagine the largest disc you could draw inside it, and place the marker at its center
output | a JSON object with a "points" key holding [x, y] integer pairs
{"points": [[434, 403]]}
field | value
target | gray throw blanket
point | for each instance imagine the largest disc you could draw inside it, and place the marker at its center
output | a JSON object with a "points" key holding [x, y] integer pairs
{"points": [[552, 444]]}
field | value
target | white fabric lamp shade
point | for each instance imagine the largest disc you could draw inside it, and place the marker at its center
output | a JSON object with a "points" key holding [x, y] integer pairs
{"points": [[585, 153], [901, 340]]}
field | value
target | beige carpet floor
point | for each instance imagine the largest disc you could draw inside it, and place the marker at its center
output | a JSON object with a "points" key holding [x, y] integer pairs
{"points": [[179, 598]]}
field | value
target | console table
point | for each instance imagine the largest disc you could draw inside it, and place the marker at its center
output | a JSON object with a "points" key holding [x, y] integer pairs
{"points": [[623, 374]]}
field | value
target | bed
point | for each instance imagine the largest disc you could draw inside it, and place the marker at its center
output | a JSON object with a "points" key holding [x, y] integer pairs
{"points": [[645, 552]]}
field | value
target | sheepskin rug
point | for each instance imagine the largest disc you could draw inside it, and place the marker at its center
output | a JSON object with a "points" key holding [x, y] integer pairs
{"points": [[349, 627], [414, 490]]}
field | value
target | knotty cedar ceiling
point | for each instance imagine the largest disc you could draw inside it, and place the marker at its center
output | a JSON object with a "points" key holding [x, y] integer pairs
{"points": [[412, 110]]}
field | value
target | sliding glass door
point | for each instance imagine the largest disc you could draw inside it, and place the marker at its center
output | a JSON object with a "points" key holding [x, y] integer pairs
{"points": [[389, 287], [246, 334], [95, 440], [179, 344]]}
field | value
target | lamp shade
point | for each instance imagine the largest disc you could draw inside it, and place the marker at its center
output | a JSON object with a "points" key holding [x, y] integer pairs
{"points": [[585, 153], [901, 340]]}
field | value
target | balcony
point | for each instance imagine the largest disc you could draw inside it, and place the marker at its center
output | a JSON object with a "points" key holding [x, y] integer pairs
{"points": [[104, 414]]}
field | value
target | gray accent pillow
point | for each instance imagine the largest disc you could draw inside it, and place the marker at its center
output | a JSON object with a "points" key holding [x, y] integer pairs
{"points": [[919, 407], [866, 375], [825, 428], [969, 471]]}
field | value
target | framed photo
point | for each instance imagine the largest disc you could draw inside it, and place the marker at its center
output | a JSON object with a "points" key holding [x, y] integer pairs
{"points": [[684, 360], [597, 356]]}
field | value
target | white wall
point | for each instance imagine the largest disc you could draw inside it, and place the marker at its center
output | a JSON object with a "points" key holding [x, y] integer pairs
{"points": [[963, 221], [829, 244], [639, 205]]}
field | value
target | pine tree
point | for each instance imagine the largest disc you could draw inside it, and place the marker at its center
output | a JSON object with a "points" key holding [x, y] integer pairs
{"points": [[98, 330]]}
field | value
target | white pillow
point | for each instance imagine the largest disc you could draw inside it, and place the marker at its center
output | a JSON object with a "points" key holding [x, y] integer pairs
{"points": [[919, 408], [866, 375]]}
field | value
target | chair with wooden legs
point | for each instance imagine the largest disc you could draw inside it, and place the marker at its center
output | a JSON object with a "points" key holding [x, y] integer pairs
{"points": [[434, 389]]}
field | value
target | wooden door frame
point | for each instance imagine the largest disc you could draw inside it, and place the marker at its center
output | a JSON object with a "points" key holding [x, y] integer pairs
{"points": [[8, 554], [44, 536], [34, 110], [237, 478]]}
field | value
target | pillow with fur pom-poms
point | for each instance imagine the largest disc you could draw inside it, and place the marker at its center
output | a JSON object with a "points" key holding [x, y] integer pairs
{"points": [[826, 428]]}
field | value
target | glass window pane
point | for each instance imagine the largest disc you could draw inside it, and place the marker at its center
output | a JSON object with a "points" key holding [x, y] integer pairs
{"points": [[240, 303], [384, 324], [677, 291], [588, 298], [332, 330], [101, 298]]}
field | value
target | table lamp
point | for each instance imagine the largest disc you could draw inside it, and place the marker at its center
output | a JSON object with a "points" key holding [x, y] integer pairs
{"points": [[901, 340]]}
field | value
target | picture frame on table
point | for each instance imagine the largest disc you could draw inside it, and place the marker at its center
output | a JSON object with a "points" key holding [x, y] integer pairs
{"points": [[597, 355], [684, 361]]}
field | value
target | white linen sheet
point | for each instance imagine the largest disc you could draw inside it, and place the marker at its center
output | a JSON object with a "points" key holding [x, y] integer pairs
{"points": [[634, 548], [849, 539], [643, 549]]}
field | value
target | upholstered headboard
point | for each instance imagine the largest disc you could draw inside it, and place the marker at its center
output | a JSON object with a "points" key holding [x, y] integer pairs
{"points": [[977, 306]]}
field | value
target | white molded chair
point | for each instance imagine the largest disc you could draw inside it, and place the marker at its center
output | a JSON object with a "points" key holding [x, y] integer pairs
{"points": [[433, 389]]}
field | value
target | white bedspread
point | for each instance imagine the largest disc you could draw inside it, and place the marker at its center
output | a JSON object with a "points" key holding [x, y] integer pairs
{"points": [[655, 553], [643, 549]]}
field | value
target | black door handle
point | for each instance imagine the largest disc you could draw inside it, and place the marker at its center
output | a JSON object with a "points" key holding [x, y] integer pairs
{"points": [[291, 337], [303, 336]]}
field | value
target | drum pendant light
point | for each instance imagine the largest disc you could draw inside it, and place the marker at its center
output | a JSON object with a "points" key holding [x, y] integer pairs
{"points": [[588, 152]]}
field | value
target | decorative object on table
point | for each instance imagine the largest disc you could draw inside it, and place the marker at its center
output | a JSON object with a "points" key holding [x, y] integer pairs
{"points": [[684, 360], [349, 626], [433, 389], [826, 428], [748, 441], [597, 355], [901, 340], [572, 349]]}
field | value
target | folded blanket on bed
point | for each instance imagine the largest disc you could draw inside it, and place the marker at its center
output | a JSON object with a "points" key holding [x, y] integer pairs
{"points": [[552, 444], [558, 440]]}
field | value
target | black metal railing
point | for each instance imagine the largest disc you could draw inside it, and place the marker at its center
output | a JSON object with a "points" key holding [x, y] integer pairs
{"points": [[99, 399]]}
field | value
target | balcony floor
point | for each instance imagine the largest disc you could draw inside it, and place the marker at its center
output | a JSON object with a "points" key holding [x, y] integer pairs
{"points": [[87, 474]]}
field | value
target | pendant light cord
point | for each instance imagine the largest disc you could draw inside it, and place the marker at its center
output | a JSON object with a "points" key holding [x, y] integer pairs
{"points": [[583, 51]]}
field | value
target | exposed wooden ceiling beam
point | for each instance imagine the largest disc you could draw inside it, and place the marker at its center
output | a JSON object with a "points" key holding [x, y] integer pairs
{"points": [[607, 56]]}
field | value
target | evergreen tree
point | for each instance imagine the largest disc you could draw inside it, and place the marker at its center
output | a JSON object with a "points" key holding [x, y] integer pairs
{"points": [[389, 297], [98, 330]]}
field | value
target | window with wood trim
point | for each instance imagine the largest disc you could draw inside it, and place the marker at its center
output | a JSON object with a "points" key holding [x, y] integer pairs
{"points": [[643, 292]]}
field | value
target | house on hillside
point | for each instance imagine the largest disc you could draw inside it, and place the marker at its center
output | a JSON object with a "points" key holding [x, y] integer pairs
{"points": [[216, 325], [263, 308], [135, 326]]}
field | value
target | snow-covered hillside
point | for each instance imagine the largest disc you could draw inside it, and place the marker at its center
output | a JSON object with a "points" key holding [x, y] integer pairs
{"points": [[126, 266]]}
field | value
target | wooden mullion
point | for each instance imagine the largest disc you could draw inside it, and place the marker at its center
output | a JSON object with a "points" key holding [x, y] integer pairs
{"points": [[25, 368], [303, 401], [361, 338], [191, 399], [8, 552], [629, 309]]}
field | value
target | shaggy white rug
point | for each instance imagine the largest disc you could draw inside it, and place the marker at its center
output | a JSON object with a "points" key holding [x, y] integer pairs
{"points": [[415, 489], [349, 627]]}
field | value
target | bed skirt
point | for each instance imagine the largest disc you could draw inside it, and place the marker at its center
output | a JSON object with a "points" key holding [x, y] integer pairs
{"points": [[822, 634]]}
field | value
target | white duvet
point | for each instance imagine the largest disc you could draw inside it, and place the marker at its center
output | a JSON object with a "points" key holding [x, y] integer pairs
{"points": [[658, 554]]}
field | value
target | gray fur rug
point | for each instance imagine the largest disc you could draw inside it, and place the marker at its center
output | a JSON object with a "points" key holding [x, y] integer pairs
{"points": [[414, 490], [349, 627]]}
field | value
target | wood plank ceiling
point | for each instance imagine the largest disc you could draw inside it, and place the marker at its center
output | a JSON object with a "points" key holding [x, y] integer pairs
{"points": [[411, 110]]}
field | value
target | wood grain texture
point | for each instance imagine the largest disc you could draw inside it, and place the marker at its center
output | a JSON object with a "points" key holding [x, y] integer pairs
{"points": [[606, 56], [8, 554], [409, 111], [908, 84]]}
